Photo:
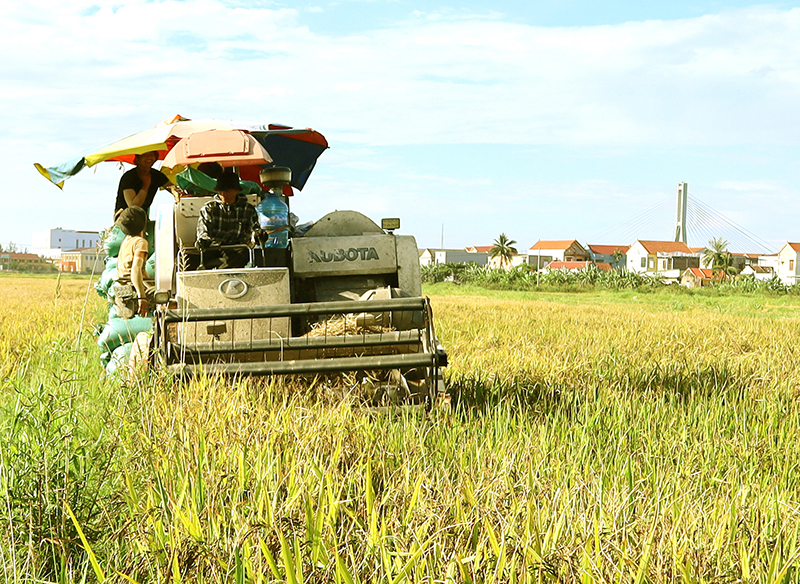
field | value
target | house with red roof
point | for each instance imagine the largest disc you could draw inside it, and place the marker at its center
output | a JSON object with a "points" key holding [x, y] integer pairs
{"points": [[614, 255], [788, 265], [566, 250], [699, 277], [28, 262], [479, 249], [663, 259]]}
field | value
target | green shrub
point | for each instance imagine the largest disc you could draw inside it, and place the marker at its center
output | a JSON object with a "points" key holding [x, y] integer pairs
{"points": [[524, 277]]}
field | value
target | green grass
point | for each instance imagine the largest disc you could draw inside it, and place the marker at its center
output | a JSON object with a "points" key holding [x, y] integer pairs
{"points": [[667, 299], [599, 437]]}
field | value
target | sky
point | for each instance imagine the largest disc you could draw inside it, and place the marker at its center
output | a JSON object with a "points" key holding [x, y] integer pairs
{"points": [[465, 119]]}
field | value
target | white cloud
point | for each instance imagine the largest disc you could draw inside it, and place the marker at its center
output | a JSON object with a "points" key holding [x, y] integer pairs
{"points": [[729, 78], [76, 77]]}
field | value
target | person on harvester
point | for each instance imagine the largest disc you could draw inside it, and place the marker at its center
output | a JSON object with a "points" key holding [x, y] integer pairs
{"points": [[228, 219], [131, 264]]}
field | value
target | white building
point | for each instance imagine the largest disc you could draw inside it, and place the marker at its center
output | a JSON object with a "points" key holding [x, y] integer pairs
{"points": [[758, 272], [545, 251], [663, 259], [85, 260], [518, 259], [50, 243], [431, 255], [789, 263], [769, 261]]}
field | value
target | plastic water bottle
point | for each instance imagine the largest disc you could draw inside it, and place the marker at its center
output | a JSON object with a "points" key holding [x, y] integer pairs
{"points": [[273, 216]]}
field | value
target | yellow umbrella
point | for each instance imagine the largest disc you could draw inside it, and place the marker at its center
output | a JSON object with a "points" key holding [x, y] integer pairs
{"points": [[296, 148], [160, 138]]}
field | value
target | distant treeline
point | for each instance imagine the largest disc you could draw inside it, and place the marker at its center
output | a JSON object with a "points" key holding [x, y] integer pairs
{"points": [[526, 278], [17, 266]]}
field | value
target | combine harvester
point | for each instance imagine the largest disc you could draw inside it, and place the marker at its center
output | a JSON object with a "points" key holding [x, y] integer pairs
{"points": [[345, 296]]}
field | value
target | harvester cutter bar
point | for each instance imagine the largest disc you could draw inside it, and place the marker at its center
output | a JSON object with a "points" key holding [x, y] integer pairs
{"points": [[408, 360], [393, 338]]}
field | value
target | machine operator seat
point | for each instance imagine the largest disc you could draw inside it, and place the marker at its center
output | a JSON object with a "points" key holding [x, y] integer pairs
{"points": [[187, 213]]}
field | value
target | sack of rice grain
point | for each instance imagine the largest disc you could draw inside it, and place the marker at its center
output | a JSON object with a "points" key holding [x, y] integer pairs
{"points": [[119, 331]]}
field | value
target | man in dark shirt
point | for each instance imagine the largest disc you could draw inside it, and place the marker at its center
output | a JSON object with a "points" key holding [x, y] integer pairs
{"points": [[138, 186], [228, 219]]}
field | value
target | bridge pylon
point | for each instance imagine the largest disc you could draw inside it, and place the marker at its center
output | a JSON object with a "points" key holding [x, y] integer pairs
{"points": [[680, 221]]}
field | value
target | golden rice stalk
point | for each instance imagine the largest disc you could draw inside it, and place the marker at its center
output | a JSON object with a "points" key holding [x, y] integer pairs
{"points": [[348, 324]]}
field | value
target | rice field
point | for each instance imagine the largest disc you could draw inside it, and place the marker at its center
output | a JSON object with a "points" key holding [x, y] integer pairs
{"points": [[593, 437]]}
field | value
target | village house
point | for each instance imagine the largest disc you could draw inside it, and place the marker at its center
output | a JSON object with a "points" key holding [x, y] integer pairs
{"points": [[24, 262], [496, 262], [701, 253], [699, 277], [84, 260], [480, 253], [614, 255], [769, 261], [663, 259], [578, 266], [742, 260], [788, 266], [518, 259], [758, 272], [431, 255], [738, 260], [545, 251], [479, 249]]}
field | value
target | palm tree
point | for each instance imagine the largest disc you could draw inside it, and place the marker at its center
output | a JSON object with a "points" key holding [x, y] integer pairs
{"points": [[617, 255], [504, 249], [718, 256]]}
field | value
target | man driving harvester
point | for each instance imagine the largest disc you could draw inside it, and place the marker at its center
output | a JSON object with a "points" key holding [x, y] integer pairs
{"points": [[227, 220]]}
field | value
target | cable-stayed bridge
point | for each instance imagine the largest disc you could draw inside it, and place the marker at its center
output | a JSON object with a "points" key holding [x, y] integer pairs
{"points": [[696, 223]]}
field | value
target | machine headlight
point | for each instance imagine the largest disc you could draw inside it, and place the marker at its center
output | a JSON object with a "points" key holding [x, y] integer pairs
{"points": [[161, 296], [390, 223]]}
